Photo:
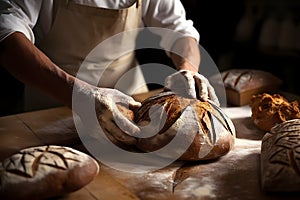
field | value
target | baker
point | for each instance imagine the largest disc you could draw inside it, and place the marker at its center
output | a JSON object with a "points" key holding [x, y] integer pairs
{"points": [[45, 42]]}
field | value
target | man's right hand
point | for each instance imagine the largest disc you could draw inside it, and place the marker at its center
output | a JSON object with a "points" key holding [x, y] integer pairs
{"points": [[112, 122]]}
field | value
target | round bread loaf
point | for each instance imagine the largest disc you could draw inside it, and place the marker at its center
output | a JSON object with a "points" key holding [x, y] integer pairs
{"points": [[44, 172], [280, 153], [205, 126]]}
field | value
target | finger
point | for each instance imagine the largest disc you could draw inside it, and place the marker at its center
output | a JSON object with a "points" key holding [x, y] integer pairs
{"points": [[134, 105], [181, 83], [171, 80], [127, 100], [202, 88], [113, 133], [131, 105], [123, 123], [190, 89], [212, 95], [211, 91], [185, 84]]}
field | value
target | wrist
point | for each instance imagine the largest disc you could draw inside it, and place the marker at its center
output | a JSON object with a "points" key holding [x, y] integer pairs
{"points": [[187, 66], [83, 96]]}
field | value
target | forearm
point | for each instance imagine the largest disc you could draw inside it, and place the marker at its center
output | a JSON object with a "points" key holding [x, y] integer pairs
{"points": [[31, 66], [186, 54]]}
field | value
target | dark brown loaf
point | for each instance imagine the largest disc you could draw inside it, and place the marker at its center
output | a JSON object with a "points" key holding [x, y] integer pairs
{"points": [[280, 158], [215, 131], [44, 172], [241, 84]]}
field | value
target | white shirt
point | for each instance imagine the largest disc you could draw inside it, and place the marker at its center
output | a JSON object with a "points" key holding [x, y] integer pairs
{"points": [[34, 17]]}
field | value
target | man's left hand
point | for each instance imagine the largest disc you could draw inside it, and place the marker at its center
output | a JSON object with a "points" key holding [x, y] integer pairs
{"points": [[191, 84]]}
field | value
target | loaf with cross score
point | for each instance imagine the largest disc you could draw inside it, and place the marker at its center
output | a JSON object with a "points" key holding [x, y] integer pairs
{"points": [[44, 172]]}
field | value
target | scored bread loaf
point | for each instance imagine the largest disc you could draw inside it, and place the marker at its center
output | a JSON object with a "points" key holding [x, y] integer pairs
{"points": [[44, 172], [214, 131], [280, 158], [241, 84]]}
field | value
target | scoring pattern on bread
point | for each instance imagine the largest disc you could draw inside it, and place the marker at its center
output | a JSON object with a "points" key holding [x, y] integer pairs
{"points": [[241, 84], [27, 162], [215, 132], [280, 157], [44, 172]]}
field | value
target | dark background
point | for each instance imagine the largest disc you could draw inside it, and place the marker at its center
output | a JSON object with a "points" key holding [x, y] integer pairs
{"points": [[257, 34]]}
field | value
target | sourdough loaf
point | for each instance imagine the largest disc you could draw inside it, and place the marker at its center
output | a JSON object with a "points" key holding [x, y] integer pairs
{"points": [[44, 172], [214, 131], [241, 84], [280, 158]]}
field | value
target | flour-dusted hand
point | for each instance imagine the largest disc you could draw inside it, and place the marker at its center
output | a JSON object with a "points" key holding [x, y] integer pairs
{"points": [[90, 100], [191, 85], [111, 120]]}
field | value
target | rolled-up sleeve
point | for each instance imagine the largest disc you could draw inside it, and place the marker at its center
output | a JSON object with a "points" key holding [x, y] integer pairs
{"points": [[169, 14], [18, 16]]}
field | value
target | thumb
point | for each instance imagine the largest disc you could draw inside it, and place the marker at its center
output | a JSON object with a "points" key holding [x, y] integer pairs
{"points": [[123, 123], [134, 104]]}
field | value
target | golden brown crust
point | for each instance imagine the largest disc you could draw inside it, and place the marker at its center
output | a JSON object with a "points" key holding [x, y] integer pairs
{"points": [[214, 138], [269, 110]]}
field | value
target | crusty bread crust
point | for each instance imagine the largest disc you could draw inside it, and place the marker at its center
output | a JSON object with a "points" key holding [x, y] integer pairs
{"points": [[215, 131], [280, 164], [45, 171], [241, 84], [271, 109]]}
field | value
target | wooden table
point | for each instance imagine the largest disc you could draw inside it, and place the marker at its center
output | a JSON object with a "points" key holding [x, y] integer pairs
{"points": [[234, 176]]}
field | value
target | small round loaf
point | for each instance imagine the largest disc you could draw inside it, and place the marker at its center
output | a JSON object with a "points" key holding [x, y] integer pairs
{"points": [[44, 172], [269, 110], [214, 131]]}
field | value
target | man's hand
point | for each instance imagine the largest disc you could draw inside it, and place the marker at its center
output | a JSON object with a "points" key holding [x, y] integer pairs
{"points": [[111, 120], [90, 100], [191, 84]]}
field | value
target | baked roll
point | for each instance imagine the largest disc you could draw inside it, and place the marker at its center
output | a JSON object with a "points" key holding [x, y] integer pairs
{"points": [[280, 158], [203, 126], [271, 109], [44, 172]]}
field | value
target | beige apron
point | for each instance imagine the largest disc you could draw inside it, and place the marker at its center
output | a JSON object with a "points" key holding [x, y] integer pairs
{"points": [[87, 38]]}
